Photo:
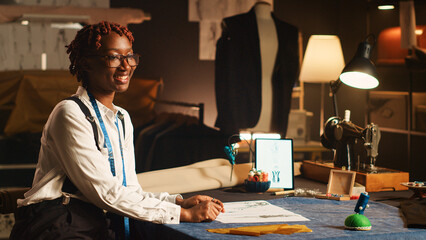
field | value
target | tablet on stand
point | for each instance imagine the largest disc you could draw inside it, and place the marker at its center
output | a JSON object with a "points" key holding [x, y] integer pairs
{"points": [[275, 156]]}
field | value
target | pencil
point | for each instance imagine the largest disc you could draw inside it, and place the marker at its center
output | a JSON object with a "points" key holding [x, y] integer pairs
{"points": [[284, 192]]}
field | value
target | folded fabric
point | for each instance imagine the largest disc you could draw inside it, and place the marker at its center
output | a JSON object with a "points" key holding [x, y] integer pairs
{"points": [[262, 229], [414, 212]]}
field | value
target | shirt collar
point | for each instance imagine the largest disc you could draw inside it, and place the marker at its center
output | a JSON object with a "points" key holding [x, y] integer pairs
{"points": [[82, 93]]}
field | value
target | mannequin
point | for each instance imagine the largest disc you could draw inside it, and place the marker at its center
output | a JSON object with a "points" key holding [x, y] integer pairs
{"points": [[257, 64], [268, 44]]}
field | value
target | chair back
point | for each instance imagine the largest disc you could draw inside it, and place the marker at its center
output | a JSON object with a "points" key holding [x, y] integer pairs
{"points": [[8, 199]]}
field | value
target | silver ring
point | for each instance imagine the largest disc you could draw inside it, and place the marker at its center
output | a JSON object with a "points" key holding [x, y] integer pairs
{"points": [[213, 199]]}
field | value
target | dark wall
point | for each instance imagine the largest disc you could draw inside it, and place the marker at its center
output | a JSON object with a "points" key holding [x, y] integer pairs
{"points": [[168, 44], [169, 47]]}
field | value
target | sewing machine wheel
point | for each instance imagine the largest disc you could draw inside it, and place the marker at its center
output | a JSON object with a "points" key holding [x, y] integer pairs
{"points": [[328, 139]]}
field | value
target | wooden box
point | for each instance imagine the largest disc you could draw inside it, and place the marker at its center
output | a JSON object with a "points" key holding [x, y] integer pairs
{"points": [[340, 185], [388, 180], [377, 182]]}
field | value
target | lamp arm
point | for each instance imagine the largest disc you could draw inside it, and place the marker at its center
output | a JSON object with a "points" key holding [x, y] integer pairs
{"points": [[371, 37], [334, 87]]}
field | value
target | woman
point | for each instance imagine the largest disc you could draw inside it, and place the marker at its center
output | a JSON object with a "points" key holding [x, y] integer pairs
{"points": [[101, 171]]}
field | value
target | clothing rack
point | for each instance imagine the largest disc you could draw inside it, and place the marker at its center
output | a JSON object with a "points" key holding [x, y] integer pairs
{"points": [[198, 107]]}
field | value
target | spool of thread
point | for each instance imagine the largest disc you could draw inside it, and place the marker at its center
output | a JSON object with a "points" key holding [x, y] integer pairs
{"points": [[347, 115], [358, 221], [43, 61], [361, 205]]}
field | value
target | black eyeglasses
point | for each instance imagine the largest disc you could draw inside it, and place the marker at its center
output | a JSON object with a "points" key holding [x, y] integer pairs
{"points": [[115, 61]]}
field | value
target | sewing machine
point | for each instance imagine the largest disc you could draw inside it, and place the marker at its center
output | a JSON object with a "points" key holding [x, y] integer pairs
{"points": [[345, 138]]}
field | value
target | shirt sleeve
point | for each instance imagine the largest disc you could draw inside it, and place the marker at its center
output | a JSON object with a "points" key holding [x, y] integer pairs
{"points": [[90, 172], [131, 176]]}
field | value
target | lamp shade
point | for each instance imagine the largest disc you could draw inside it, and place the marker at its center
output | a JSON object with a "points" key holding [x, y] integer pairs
{"points": [[360, 72], [323, 60]]}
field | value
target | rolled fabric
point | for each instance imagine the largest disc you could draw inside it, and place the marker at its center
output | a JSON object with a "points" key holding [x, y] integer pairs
{"points": [[204, 175]]}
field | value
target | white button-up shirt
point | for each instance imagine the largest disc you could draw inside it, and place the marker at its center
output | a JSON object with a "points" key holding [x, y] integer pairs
{"points": [[68, 149]]}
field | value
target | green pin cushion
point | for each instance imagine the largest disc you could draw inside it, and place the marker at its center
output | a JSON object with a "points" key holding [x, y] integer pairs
{"points": [[357, 222]]}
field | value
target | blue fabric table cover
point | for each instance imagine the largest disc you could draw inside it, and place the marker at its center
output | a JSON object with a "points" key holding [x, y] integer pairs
{"points": [[327, 219]]}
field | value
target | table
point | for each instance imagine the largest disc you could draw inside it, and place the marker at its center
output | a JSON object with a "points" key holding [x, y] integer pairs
{"points": [[315, 148], [326, 220], [314, 210], [418, 191]]}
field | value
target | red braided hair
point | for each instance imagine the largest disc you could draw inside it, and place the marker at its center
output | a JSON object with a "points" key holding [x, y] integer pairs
{"points": [[88, 38]]}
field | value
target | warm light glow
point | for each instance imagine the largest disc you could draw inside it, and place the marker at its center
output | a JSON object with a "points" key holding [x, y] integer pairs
{"points": [[386, 7], [323, 60], [419, 32], [245, 136], [267, 135], [43, 61], [249, 136], [359, 80], [70, 25], [25, 22]]}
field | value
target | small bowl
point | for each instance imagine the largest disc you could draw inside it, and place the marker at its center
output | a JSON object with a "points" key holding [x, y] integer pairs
{"points": [[256, 186]]}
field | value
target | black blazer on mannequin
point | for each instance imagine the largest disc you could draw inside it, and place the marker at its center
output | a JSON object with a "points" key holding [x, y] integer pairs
{"points": [[238, 77]]}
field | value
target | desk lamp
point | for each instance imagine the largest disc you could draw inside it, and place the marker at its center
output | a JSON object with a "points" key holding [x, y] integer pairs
{"points": [[360, 72], [323, 61], [340, 134]]}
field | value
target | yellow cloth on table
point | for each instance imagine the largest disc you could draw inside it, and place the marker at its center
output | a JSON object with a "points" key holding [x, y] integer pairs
{"points": [[262, 229]]}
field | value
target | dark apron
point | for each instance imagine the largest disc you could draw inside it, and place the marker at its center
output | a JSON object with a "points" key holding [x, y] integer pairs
{"points": [[51, 219]]}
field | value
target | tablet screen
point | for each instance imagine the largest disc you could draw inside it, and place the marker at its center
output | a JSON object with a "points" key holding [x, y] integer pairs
{"points": [[275, 156]]}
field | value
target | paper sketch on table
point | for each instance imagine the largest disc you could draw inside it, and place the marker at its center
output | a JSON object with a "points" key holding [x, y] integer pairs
{"points": [[257, 211]]}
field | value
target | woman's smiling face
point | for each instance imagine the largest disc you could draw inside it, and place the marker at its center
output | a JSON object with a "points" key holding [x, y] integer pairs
{"points": [[105, 80]]}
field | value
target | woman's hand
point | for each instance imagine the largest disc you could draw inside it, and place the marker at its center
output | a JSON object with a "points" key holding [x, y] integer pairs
{"points": [[204, 211], [194, 200]]}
